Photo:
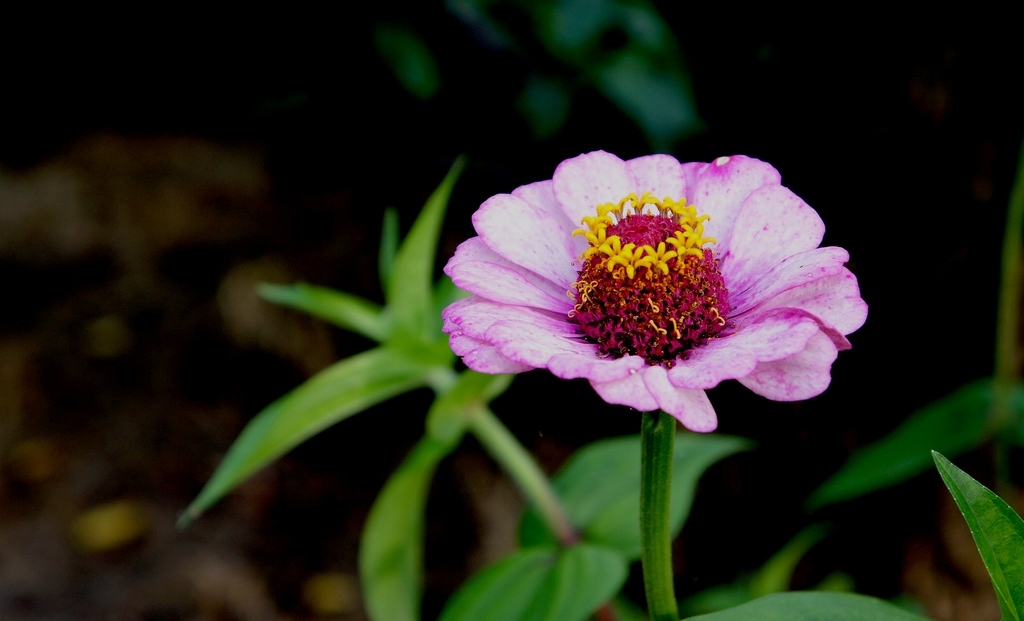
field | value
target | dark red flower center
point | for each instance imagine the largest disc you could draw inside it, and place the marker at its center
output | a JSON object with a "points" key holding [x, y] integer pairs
{"points": [[648, 287]]}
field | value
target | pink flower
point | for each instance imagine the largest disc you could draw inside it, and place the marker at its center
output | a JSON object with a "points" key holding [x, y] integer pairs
{"points": [[607, 273]]}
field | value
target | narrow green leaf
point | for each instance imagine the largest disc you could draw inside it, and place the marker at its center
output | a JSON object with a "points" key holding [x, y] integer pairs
{"points": [[600, 488], [998, 532], [449, 415], [813, 606], [541, 584], [950, 425], [342, 309], [775, 576], [410, 60], [388, 246], [391, 549], [409, 288], [337, 392]]}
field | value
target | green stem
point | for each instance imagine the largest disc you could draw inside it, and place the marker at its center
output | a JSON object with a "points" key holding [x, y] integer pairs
{"points": [[657, 436], [1008, 359], [520, 465]]}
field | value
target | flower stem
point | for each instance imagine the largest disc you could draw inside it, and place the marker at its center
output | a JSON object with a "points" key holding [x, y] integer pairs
{"points": [[520, 465], [657, 436]]}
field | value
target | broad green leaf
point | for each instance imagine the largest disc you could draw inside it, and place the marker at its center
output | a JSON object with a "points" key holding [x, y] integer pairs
{"points": [[342, 309], [449, 415], [541, 584], [813, 606], [545, 105], [600, 488], [998, 532], [409, 288], [950, 425], [410, 60], [391, 549], [388, 246], [337, 392]]}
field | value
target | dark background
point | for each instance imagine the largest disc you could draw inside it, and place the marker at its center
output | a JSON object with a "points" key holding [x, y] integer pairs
{"points": [[150, 175]]}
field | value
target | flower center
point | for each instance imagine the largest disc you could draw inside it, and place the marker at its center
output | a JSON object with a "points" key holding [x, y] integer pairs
{"points": [[648, 287]]}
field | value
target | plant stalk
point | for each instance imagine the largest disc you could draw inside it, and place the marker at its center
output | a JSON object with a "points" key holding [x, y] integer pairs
{"points": [[657, 437]]}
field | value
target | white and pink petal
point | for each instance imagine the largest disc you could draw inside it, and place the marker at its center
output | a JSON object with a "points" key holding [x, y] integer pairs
{"points": [[690, 407], [801, 376], [586, 181]]}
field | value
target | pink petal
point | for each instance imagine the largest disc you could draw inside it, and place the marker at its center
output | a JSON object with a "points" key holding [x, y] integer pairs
{"points": [[659, 174], [572, 366], [691, 407], [487, 359], [798, 377], [630, 390], [526, 235], [474, 316], [835, 299], [532, 344], [793, 271], [588, 180], [770, 336], [721, 187], [542, 194], [463, 344], [772, 224], [478, 269]]}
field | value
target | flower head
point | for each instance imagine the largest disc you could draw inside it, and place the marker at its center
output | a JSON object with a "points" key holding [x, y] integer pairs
{"points": [[655, 281]]}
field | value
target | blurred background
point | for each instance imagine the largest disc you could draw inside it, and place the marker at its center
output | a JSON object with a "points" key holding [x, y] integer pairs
{"points": [[152, 175]]}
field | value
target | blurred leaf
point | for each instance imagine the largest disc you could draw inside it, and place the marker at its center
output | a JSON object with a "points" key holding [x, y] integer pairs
{"points": [[998, 532], [410, 60], [573, 27], [342, 309], [951, 425], [409, 288], [600, 488], [626, 610], [337, 392], [542, 584], [545, 104], [775, 576], [388, 246], [813, 606], [391, 549], [450, 414], [657, 98]]}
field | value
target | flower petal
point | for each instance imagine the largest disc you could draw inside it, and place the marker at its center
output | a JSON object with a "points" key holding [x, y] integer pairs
{"points": [[478, 269], [721, 187], [772, 224], [798, 377], [630, 390], [474, 316], [659, 174], [586, 181], [572, 366], [487, 359], [534, 345], [526, 235], [792, 272], [691, 407], [769, 336], [835, 299], [542, 194]]}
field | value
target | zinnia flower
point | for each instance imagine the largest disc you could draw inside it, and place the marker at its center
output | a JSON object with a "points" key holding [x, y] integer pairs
{"points": [[606, 272]]}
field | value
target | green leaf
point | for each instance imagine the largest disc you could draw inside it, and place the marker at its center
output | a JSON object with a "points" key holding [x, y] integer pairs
{"points": [[409, 288], [388, 246], [391, 549], [541, 584], [449, 415], [998, 532], [813, 606], [337, 392], [545, 105], [950, 425], [410, 60], [342, 309], [600, 488]]}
